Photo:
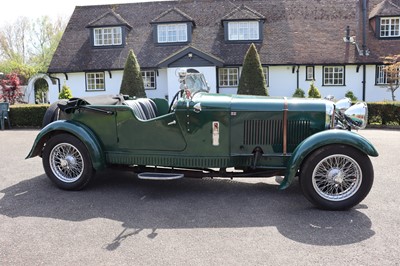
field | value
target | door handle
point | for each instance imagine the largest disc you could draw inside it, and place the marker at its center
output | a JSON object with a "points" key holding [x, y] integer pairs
{"points": [[172, 123]]}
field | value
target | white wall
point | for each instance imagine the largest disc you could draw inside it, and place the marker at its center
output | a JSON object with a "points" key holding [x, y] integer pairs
{"points": [[282, 82], [161, 90], [77, 84]]}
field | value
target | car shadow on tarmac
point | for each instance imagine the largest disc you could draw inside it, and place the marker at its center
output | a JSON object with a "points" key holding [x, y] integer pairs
{"points": [[186, 203]]}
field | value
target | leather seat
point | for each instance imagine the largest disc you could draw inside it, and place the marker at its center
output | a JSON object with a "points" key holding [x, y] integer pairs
{"points": [[143, 108]]}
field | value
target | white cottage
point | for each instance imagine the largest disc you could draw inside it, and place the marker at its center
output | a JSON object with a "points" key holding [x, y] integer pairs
{"points": [[338, 45]]}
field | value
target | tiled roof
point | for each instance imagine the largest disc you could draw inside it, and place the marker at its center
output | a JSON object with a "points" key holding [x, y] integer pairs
{"points": [[295, 32], [386, 8], [107, 19], [172, 15], [243, 12]]}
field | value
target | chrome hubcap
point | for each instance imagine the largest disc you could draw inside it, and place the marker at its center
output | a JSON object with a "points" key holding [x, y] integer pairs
{"points": [[66, 162], [337, 177]]}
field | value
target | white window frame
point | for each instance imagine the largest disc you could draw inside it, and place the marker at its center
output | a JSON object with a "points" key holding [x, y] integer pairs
{"points": [[228, 77], [382, 75], [333, 76], [390, 27], [266, 74], [110, 36], [243, 30], [95, 81], [310, 73], [149, 79], [171, 33]]}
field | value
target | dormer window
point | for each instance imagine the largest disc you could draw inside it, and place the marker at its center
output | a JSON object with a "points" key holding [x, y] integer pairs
{"points": [[109, 36], [390, 27], [109, 30], [172, 27], [243, 30], [172, 33], [242, 25]]}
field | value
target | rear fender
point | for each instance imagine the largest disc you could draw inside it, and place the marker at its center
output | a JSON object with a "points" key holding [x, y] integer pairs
{"points": [[320, 139], [82, 132]]}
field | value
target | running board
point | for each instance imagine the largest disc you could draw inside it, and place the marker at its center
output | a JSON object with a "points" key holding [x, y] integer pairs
{"points": [[160, 176]]}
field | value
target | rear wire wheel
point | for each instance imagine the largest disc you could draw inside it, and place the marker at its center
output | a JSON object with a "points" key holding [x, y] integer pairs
{"points": [[52, 113], [336, 177], [67, 163]]}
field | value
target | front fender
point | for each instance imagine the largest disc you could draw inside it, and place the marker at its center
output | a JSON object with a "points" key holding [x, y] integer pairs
{"points": [[82, 132], [320, 139]]}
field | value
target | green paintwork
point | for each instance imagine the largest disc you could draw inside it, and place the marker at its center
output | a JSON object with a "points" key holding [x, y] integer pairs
{"points": [[322, 139], [82, 132], [184, 138]]}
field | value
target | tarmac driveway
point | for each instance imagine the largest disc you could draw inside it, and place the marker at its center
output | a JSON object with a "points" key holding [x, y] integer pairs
{"points": [[120, 219]]}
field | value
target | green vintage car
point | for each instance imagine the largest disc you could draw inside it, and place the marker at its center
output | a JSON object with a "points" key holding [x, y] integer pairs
{"points": [[212, 135]]}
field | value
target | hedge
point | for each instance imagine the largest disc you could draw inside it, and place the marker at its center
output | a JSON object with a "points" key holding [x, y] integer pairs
{"points": [[27, 115], [384, 113]]}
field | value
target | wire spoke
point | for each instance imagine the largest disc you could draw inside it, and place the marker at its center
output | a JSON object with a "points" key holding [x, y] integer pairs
{"points": [[66, 162], [337, 177]]}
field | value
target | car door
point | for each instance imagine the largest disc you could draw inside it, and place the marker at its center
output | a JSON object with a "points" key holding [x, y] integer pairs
{"points": [[159, 134]]}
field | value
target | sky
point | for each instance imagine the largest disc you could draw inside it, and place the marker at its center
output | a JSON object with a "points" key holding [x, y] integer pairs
{"points": [[12, 9]]}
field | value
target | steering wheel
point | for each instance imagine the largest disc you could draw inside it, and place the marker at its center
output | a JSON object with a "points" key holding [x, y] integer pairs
{"points": [[174, 99]]}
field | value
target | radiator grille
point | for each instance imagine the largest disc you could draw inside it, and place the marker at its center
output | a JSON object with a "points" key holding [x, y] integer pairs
{"points": [[297, 131], [262, 132], [270, 132]]}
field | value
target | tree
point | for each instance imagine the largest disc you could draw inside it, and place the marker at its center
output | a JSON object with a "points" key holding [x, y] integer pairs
{"points": [[65, 93], [252, 80], [132, 80], [26, 47], [313, 91], [392, 72], [46, 35]]}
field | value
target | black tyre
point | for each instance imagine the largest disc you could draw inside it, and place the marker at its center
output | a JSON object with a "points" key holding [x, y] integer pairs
{"points": [[52, 113], [67, 163], [336, 177]]}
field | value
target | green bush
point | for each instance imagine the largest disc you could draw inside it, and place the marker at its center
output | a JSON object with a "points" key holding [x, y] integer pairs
{"points": [[27, 115], [313, 91], [385, 113], [351, 96], [299, 93], [65, 93]]}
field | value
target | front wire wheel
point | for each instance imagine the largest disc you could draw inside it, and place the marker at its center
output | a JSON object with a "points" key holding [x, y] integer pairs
{"points": [[67, 163], [336, 177]]}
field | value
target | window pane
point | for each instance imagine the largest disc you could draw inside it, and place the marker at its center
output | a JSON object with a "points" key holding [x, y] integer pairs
{"points": [[244, 30], [228, 77], [310, 73], [108, 36], [383, 76], [95, 81], [149, 79], [334, 75], [266, 75], [390, 27], [172, 33]]}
